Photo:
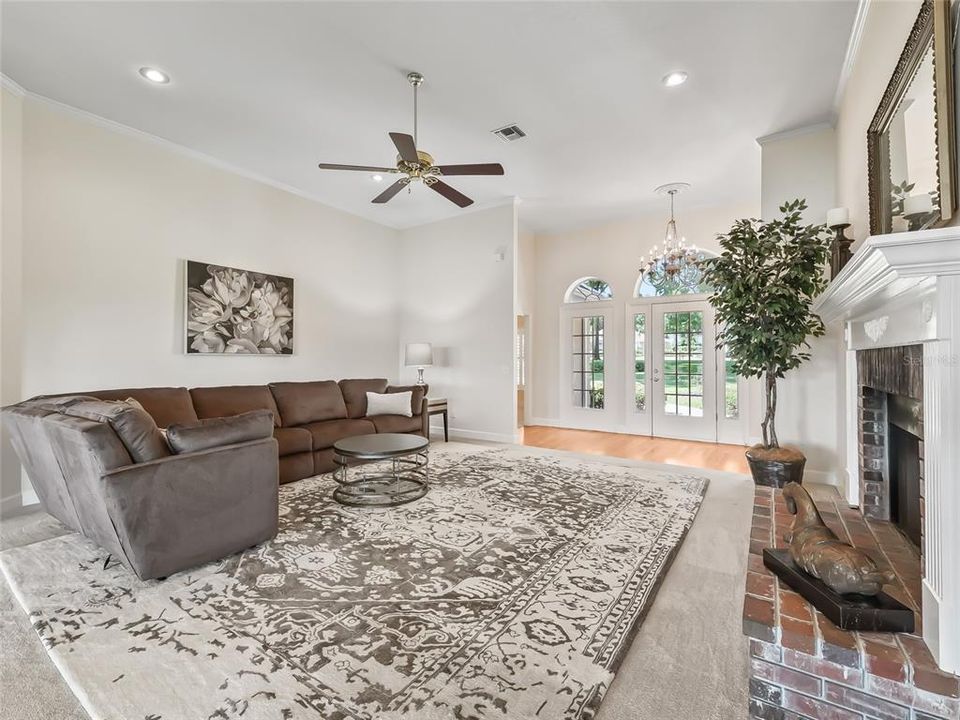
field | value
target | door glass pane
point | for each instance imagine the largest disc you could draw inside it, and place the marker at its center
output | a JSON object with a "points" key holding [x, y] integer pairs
{"points": [[731, 404], [587, 361], [683, 363], [640, 361]]}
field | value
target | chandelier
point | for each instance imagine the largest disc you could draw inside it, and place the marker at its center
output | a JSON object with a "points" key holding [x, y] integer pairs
{"points": [[676, 264]]}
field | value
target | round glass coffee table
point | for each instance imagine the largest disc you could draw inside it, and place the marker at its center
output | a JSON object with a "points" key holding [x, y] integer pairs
{"points": [[401, 476]]}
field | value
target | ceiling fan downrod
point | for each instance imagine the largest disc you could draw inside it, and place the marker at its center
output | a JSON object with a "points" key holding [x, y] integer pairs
{"points": [[415, 79]]}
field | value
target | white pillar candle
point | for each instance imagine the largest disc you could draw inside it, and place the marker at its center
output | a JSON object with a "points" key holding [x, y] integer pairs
{"points": [[838, 216], [917, 204]]}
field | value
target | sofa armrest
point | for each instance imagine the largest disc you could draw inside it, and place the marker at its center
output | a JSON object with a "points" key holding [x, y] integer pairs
{"points": [[184, 510]]}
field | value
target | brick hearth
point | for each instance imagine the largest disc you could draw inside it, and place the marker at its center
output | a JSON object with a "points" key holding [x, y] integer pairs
{"points": [[803, 666]]}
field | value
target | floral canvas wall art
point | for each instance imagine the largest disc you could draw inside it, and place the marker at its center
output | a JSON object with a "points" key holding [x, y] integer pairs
{"points": [[232, 311]]}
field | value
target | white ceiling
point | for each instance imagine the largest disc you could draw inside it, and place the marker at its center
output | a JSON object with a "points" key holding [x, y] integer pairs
{"points": [[275, 87]]}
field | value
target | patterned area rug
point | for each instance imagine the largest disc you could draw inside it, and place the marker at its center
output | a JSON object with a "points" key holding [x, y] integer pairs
{"points": [[510, 591]]}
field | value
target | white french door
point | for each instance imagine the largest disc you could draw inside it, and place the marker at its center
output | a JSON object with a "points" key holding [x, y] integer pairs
{"points": [[683, 371], [588, 363], [648, 367]]}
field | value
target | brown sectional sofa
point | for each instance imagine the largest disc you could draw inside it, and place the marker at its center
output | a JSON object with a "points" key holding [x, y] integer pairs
{"points": [[308, 417], [105, 470]]}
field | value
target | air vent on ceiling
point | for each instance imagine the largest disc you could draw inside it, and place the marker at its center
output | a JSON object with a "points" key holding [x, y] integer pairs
{"points": [[509, 133]]}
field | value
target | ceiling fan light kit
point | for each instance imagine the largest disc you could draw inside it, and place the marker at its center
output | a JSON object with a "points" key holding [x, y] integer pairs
{"points": [[418, 165]]}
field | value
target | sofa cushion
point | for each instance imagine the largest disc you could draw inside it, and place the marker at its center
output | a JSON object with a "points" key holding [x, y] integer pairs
{"points": [[220, 431], [296, 467], [355, 394], [215, 402], [416, 401], [133, 425], [323, 461], [326, 433], [305, 402], [292, 440], [166, 405], [397, 424]]}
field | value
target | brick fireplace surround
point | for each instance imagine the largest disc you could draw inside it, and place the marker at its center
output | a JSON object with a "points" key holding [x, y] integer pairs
{"points": [[803, 666]]}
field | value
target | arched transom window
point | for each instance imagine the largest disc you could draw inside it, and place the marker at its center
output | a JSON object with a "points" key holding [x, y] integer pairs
{"points": [[588, 290]]}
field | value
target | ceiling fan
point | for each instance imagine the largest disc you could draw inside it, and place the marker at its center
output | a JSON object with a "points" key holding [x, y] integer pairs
{"points": [[416, 164]]}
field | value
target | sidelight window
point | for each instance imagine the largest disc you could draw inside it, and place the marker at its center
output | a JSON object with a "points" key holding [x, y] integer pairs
{"points": [[639, 362]]}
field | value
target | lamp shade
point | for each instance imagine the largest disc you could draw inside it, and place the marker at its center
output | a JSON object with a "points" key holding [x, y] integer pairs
{"points": [[418, 354]]}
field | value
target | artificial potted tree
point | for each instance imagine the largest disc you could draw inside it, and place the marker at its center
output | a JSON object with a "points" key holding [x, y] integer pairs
{"points": [[763, 284]]}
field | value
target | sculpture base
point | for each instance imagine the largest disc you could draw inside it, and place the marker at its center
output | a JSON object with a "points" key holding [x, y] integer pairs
{"points": [[877, 613]]}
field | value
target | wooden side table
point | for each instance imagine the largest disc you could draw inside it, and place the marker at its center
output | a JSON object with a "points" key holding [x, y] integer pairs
{"points": [[438, 406]]}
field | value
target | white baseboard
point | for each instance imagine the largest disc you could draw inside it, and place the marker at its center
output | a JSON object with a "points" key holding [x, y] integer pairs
{"points": [[436, 431], [824, 477], [621, 429], [573, 425]]}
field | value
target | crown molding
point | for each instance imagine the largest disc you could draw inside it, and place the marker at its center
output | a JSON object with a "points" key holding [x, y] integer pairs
{"points": [[795, 132], [12, 85], [185, 151], [850, 58]]}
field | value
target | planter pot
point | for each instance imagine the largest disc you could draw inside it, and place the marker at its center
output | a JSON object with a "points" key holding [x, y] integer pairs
{"points": [[775, 467]]}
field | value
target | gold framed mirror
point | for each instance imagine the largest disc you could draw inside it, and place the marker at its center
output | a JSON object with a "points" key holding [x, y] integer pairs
{"points": [[911, 148]]}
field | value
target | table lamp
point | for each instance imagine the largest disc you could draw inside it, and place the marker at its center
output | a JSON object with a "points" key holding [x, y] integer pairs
{"points": [[418, 355]]}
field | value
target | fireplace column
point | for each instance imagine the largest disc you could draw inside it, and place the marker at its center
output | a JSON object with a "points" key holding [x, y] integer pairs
{"points": [[941, 479]]}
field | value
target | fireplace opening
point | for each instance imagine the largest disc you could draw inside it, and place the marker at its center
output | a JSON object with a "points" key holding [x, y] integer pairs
{"points": [[905, 464]]}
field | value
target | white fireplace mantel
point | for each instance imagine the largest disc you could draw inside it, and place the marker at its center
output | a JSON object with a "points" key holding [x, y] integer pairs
{"points": [[904, 289]]}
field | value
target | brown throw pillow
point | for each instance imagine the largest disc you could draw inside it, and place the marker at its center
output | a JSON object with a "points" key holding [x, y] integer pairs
{"points": [[217, 432], [132, 424]]}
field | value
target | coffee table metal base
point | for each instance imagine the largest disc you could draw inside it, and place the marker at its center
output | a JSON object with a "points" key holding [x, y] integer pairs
{"points": [[405, 480]]}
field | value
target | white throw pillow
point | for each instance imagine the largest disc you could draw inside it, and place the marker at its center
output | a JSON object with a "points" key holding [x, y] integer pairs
{"points": [[390, 403]]}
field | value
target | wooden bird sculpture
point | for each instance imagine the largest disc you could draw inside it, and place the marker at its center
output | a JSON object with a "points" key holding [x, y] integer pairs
{"points": [[815, 548]]}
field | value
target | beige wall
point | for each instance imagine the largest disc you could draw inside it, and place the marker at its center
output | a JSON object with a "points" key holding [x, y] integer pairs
{"points": [[802, 164], [613, 253], [11, 248], [885, 32], [108, 219], [457, 292]]}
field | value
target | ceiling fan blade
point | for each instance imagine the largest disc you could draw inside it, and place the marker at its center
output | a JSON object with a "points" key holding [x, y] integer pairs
{"points": [[391, 191], [454, 196], [406, 147], [477, 169], [363, 168]]}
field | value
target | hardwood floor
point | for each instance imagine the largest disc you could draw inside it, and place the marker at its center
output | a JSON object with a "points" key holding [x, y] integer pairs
{"points": [[711, 456]]}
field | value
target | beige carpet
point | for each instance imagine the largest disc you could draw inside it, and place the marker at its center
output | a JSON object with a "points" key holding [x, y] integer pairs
{"points": [[689, 659]]}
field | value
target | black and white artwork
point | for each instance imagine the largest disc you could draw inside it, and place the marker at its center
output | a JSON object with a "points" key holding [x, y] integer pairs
{"points": [[238, 312]]}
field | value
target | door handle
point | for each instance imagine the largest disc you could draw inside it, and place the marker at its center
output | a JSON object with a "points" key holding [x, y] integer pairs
{"points": [[656, 374]]}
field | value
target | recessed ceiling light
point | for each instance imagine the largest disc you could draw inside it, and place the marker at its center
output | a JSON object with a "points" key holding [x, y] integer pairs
{"points": [[154, 75], [377, 177], [675, 78]]}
